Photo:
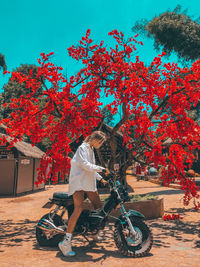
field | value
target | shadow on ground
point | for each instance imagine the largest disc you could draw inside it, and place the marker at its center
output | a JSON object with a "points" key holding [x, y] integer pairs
{"points": [[167, 232], [91, 252], [14, 233], [99, 254]]}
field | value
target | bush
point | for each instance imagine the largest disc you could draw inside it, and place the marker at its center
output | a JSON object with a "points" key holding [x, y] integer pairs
{"points": [[134, 197]]}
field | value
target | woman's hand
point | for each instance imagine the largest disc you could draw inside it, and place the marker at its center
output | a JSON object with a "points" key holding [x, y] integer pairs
{"points": [[104, 182], [107, 171]]}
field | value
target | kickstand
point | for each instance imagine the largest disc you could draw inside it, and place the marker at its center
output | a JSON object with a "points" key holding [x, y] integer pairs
{"points": [[86, 238]]}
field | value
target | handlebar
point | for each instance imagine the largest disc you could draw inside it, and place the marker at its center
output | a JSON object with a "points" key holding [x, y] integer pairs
{"points": [[111, 175], [114, 183]]}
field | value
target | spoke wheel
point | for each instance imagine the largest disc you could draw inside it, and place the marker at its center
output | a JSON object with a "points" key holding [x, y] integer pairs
{"points": [[133, 246]]}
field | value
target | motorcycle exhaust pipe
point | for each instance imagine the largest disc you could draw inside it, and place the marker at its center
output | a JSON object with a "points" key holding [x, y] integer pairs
{"points": [[49, 226]]}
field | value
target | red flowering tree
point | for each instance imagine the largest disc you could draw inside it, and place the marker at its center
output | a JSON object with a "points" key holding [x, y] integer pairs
{"points": [[154, 100]]}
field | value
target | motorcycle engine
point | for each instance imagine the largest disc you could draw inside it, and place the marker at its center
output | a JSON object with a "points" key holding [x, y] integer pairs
{"points": [[90, 221], [96, 220]]}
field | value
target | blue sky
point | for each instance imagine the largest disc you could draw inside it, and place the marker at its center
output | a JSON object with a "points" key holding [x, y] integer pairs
{"points": [[31, 27]]}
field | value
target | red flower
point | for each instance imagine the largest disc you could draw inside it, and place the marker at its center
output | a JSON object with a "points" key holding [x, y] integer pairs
{"points": [[168, 217], [152, 101]]}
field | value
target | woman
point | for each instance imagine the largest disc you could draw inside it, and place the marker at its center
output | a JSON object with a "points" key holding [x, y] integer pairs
{"points": [[82, 179]]}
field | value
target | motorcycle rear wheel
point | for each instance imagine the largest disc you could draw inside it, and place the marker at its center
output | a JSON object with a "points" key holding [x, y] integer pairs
{"points": [[127, 245], [41, 237]]}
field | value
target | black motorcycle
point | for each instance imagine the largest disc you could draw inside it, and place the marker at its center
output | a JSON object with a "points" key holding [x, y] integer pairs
{"points": [[131, 234]]}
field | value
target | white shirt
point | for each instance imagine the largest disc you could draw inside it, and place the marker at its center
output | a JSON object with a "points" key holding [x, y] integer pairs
{"points": [[83, 172]]}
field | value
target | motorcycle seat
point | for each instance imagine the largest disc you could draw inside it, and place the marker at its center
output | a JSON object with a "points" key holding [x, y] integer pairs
{"points": [[61, 195]]}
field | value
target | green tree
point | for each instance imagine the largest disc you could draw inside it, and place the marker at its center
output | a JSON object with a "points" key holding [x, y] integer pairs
{"points": [[173, 31], [3, 62], [14, 89]]}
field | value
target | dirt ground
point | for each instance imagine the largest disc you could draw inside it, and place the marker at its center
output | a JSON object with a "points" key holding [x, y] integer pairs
{"points": [[176, 243]]}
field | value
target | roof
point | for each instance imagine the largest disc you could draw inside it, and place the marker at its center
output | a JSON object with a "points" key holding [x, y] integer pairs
{"points": [[25, 148]]}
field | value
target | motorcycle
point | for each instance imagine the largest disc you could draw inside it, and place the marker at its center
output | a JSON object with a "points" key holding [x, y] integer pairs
{"points": [[132, 236]]}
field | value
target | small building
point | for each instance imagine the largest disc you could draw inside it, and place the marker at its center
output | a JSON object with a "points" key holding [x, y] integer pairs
{"points": [[18, 167]]}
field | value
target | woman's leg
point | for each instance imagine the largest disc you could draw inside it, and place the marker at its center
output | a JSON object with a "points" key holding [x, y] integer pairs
{"points": [[96, 202], [95, 199], [78, 198], [65, 245]]}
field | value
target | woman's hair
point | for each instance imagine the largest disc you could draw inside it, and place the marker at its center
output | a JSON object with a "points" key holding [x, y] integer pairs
{"points": [[97, 135]]}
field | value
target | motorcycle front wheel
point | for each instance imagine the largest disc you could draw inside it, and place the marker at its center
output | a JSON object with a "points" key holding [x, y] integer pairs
{"points": [[54, 240], [133, 246]]}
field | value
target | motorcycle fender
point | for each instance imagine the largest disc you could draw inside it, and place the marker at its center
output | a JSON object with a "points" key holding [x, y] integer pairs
{"points": [[130, 213], [48, 205], [135, 213]]}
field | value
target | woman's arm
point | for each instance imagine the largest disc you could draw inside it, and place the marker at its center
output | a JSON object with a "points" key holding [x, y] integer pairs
{"points": [[83, 161], [98, 176]]}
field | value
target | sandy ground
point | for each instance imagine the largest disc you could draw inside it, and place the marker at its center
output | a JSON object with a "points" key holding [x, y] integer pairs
{"points": [[176, 243]]}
